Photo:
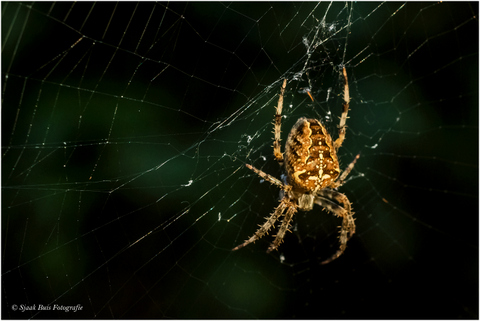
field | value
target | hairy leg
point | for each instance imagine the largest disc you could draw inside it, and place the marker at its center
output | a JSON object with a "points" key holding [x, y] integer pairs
{"points": [[278, 124], [339, 182], [267, 177], [343, 118], [267, 225], [292, 209], [324, 199]]}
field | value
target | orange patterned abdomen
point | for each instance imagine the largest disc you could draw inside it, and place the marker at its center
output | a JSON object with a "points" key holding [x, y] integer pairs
{"points": [[311, 161]]}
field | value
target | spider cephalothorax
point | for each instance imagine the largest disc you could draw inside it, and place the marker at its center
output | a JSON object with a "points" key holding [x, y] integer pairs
{"points": [[313, 174]]}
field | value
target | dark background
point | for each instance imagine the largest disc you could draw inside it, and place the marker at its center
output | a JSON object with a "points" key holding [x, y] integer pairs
{"points": [[126, 127]]}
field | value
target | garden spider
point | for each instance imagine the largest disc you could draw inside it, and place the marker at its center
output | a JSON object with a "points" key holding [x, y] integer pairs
{"points": [[312, 174]]}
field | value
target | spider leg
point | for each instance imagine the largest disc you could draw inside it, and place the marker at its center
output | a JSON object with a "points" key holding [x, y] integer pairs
{"points": [[267, 225], [323, 199], [268, 177], [343, 120], [278, 124], [339, 182], [292, 209]]}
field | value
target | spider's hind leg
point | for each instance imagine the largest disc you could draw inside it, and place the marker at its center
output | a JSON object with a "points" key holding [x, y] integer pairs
{"points": [[343, 119], [339, 182], [278, 125]]}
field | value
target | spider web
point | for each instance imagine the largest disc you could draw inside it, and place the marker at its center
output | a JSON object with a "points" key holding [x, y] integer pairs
{"points": [[126, 128]]}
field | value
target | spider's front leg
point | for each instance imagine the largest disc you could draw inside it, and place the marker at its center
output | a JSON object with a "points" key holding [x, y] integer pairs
{"points": [[275, 215], [323, 199], [292, 209], [267, 225]]}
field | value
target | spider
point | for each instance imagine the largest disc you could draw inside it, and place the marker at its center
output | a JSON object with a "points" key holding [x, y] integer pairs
{"points": [[312, 174]]}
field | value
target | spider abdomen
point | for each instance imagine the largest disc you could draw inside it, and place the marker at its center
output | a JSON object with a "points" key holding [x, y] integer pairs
{"points": [[311, 162]]}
